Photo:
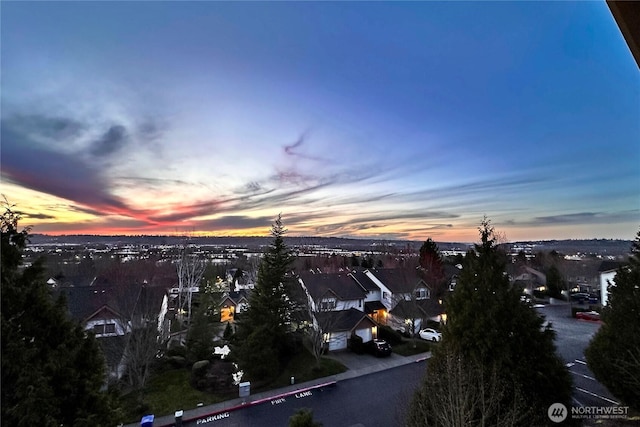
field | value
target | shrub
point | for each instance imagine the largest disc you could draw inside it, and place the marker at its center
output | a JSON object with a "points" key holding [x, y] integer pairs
{"points": [[389, 335], [356, 345], [228, 331], [176, 361], [176, 349]]}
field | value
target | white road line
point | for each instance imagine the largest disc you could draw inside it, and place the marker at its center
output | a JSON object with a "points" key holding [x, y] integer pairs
{"points": [[577, 401], [597, 395], [582, 362], [570, 364], [583, 375]]}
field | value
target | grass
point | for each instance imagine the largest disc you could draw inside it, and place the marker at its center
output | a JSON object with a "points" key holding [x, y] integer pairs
{"points": [[169, 389], [303, 368], [407, 347]]}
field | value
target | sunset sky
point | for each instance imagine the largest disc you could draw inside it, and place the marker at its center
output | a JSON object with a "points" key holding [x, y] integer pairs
{"points": [[382, 120]]}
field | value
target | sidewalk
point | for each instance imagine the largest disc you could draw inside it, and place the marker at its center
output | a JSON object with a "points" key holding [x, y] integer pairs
{"points": [[381, 364]]}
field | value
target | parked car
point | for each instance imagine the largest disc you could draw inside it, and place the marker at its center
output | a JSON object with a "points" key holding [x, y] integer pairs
{"points": [[430, 335], [588, 315], [379, 348], [580, 297]]}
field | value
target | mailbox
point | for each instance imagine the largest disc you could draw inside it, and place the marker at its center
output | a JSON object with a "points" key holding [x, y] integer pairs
{"points": [[245, 389]]}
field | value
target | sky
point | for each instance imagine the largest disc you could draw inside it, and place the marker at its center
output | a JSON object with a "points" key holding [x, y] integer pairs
{"points": [[386, 120]]}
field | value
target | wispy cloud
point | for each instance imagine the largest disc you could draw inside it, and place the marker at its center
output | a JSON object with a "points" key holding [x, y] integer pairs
{"points": [[586, 218], [113, 140]]}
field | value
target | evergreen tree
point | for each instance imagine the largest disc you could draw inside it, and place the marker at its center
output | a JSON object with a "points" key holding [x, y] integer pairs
{"points": [[555, 282], [263, 337], [488, 327], [614, 352], [431, 266], [52, 370], [200, 337]]}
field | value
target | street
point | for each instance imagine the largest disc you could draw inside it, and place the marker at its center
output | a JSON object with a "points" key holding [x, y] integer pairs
{"points": [[378, 399]]}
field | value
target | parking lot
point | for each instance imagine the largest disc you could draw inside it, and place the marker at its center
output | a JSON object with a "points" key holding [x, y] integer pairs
{"points": [[573, 337]]}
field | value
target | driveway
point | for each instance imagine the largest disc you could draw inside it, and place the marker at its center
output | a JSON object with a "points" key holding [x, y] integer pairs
{"points": [[356, 362]]}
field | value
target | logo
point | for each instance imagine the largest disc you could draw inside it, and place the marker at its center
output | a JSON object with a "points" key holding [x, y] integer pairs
{"points": [[557, 412]]}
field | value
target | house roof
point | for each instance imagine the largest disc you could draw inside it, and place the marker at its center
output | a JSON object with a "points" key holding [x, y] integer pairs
{"points": [[398, 280], [364, 281], [451, 271], [609, 266], [345, 320], [371, 306], [342, 285], [82, 302], [418, 308], [235, 297]]}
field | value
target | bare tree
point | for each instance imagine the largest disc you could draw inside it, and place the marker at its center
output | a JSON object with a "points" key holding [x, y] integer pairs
{"points": [[318, 330], [190, 270], [459, 392]]}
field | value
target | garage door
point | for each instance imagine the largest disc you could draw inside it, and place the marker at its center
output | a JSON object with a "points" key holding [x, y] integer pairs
{"points": [[365, 334], [338, 341]]}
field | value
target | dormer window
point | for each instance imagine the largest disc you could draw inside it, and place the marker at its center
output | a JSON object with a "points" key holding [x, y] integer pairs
{"points": [[328, 304], [422, 293], [104, 329]]}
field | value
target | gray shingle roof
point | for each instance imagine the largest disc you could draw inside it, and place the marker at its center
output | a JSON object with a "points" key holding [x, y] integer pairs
{"points": [[345, 320], [341, 284], [398, 280]]}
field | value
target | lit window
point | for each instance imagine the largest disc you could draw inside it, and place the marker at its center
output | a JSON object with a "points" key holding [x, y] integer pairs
{"points": [[422, 293]]}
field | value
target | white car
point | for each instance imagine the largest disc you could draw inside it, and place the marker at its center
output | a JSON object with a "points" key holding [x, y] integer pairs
{"points": [[430, 335]]}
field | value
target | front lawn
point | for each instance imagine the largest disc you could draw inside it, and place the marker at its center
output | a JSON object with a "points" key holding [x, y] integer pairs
{"points": [[303, 368], [170, 389]]}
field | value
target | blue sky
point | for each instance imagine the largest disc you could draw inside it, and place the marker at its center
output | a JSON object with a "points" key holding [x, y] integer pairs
{"points": [[362, 119]]}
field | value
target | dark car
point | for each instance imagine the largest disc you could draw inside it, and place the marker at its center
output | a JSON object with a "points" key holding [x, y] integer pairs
{"points": [[379, 348]]}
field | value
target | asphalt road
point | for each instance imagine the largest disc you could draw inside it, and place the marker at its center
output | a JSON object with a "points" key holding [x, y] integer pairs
{"points": [[572, 339], [378, 399]]}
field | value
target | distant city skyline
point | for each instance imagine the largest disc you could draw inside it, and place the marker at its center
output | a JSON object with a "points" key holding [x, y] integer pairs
{"points": [[381, 120]]}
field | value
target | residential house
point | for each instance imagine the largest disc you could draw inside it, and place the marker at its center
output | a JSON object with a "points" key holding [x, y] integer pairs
{"points": [[527, 279], [233, 303], [337, 307], [407, 298], [344, 324], [111, 312], [606, 274], [373, 305]]}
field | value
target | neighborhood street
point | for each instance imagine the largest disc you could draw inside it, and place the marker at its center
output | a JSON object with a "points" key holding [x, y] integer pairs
{"points": [[378, 399]]}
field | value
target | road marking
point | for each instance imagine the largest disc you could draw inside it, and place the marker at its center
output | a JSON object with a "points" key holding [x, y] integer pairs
{"points": [[583, 375], [570, 364], [597, 395], [303, 394], [582, 362], [577, 401]]}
